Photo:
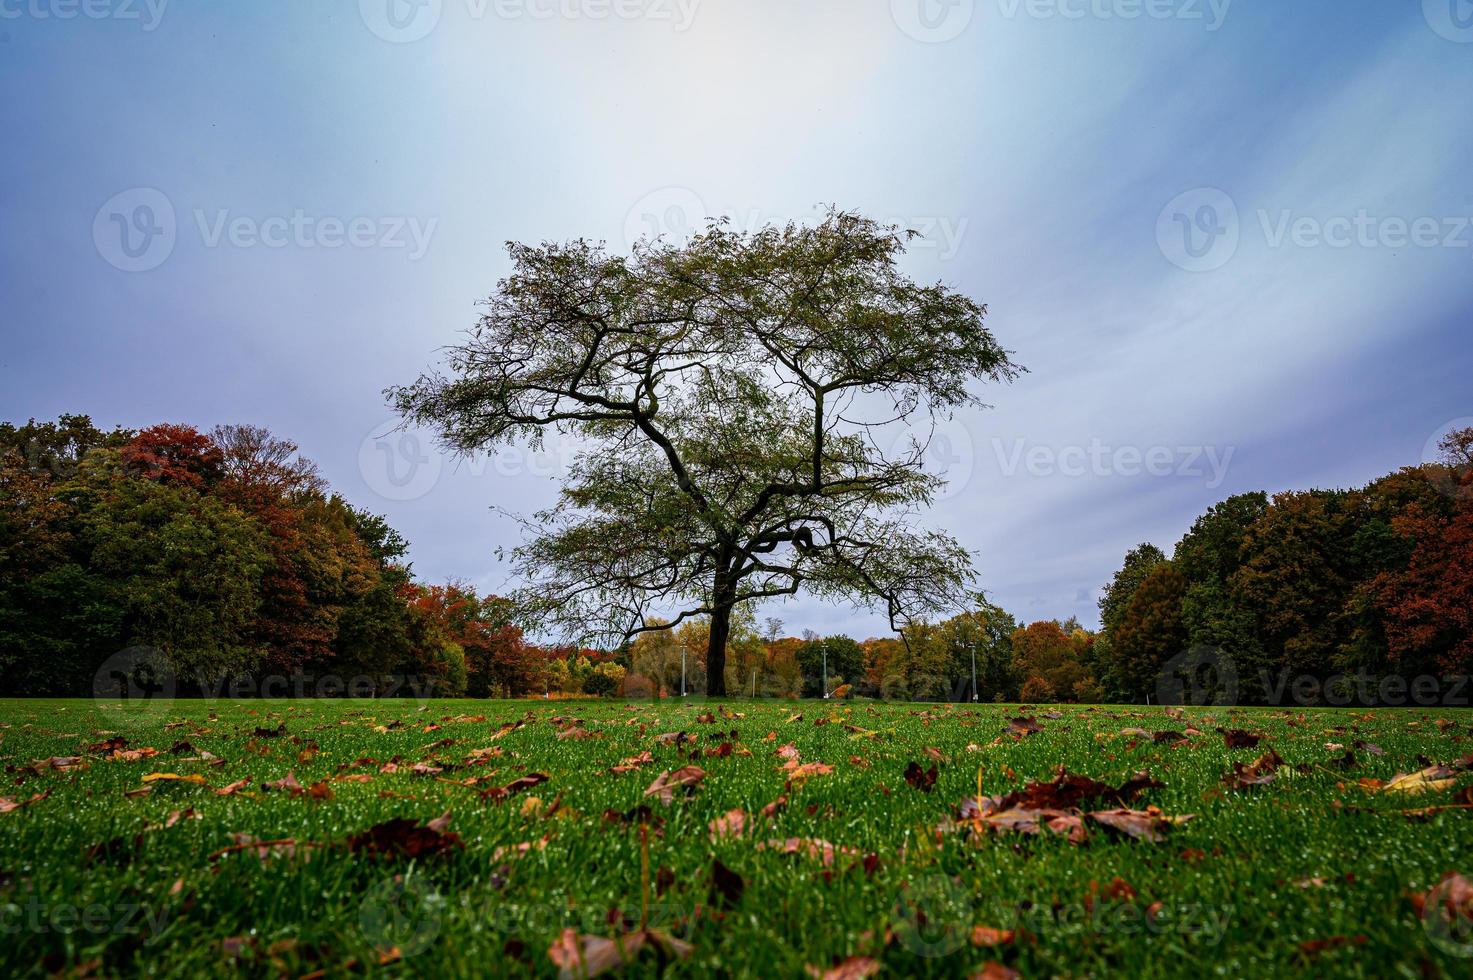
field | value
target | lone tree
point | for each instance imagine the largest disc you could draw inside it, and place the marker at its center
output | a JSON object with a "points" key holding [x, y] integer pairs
{"points": [[744, 406]]}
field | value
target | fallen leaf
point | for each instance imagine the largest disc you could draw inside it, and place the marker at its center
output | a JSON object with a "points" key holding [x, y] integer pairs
{"points": [[665, 785]]}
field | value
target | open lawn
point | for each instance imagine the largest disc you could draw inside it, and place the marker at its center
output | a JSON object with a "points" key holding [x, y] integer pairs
{"points": [[188, 838]]}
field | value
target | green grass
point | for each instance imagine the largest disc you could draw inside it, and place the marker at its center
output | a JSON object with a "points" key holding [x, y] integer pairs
{"points": [[1256, 874]]}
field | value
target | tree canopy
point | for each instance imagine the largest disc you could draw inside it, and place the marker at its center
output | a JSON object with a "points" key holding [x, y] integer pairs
{"points": [[730, 399]]}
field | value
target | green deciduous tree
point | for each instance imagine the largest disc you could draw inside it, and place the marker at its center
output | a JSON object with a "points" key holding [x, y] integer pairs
{"points": [[725, 396]]}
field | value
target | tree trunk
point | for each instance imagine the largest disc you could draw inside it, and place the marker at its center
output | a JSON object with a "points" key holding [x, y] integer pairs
{"points": [[716, 652]]}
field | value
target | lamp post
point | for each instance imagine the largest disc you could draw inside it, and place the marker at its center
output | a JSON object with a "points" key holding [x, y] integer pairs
{"points": [[682, 671], [824, 650], [974, 673]]}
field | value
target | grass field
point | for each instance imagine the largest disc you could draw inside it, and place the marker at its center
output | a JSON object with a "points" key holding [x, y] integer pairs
{"points": [[235, 867]]}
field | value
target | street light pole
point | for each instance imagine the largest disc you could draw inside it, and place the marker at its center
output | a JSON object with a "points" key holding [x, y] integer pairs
{"points": [[974, 673], [825, 651], [682, 671]]}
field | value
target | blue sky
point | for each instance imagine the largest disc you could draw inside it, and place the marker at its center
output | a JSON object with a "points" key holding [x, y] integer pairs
{"points": [[1230, 240]]}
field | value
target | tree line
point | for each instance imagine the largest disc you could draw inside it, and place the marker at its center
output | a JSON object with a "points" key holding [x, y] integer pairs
{"points": [[228, 552]]}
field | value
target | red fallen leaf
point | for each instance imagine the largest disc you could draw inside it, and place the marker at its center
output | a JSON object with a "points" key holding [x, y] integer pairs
{"points": [[813, 847], [7, 804], [709, 718], [859, 762], [988, 936], [1021, 726], [788, 752], [1451, 898], [582, 956], [1167, 735], [499, 793], [674, 738], [1236, 738], [234, 787], [732, 823], [799, 771], [426, 769], [726, 885], [110, 745], [288, 783], [720, 752], [633, 762], [853, 968], [995, 971], [771, 810], [1150, 824], [665, 784], [919, 778], [933, 753], [353, 777], [320, 790], [132, 755], [1311, 949], [403, 836]]}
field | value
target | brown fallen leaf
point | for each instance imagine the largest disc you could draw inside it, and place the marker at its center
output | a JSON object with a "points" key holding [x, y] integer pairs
{"points": [[1236, 738], [1149, 824], [685, 778], [582, 956], [853, 968], [813, 847], [995, 971], [499, 793], [1022, 726], [234, 787], [7, 804], [726, 885], [404, 837], [921, 779], [633, 762], [732, 823]]}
